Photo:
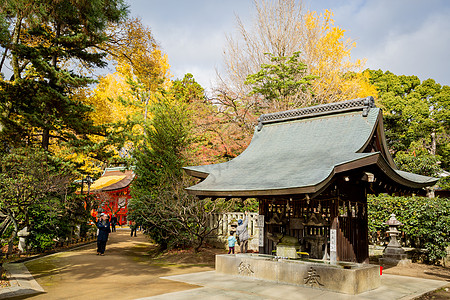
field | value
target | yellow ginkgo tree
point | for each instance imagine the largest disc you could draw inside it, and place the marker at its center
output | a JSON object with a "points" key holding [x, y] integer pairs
{"points": [[327, 53], [120, 99]]}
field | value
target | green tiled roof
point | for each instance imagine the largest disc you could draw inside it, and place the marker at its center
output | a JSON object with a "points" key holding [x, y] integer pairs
{"points": [[300, 154]]}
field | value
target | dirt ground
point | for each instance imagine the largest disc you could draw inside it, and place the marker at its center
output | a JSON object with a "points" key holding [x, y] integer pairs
{"points": [[132, 268], [427, 272], [129, 270]]}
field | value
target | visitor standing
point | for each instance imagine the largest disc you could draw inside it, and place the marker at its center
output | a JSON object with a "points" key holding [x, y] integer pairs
{"points": [[231, 242], [242, 233], [103, 233], [133, 227], [113, 223]]}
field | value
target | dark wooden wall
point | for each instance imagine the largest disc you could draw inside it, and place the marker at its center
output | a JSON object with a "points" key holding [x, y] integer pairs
{"points": [[347, 207]]}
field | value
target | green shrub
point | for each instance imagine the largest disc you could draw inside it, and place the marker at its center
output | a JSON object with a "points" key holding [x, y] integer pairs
{"points": [[426, 221], [239, 205]]}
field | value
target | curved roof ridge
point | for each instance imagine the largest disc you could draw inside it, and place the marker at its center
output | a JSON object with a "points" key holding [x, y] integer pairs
{"points": [[363, 104]]}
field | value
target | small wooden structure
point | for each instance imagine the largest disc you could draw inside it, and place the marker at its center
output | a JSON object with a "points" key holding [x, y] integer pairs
{"points": [[311, 170]]}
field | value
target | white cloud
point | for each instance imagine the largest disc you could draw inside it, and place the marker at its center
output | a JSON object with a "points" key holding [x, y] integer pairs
{"points": [[191, 33], [408, 37], [423, 52]]}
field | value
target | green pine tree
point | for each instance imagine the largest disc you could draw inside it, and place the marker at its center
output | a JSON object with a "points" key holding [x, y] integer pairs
{"points": [[48, 42]]}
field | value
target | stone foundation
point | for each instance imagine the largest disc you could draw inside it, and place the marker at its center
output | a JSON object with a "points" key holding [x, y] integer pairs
{"points": [[348, 278], [395, 256]]}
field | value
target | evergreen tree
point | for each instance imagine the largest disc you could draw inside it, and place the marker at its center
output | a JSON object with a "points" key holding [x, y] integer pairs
{"points": [[417, 121], [282, 83], [160, 203], [158, 168], [31, 180], [48, 41]]}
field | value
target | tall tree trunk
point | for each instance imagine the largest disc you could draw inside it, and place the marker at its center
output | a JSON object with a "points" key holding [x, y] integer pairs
{"points": [[15, 42], [3, 59], [45, 138], [199, 244], [433, 142], [46, 131], [430, 190], [14, 233]]}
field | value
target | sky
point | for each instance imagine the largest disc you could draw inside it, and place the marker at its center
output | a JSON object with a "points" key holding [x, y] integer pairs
{"points": [[406, 37]]}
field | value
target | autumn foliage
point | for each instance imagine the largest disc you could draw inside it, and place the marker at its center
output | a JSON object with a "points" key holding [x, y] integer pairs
{"points": [[139, 115]]}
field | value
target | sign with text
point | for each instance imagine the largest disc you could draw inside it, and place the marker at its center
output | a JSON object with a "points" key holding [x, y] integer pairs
{"points": [[261, 230], [332, 240]]}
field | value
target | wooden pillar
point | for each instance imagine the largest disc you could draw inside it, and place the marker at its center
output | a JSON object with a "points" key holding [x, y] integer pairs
{"points": [[363, 256]]}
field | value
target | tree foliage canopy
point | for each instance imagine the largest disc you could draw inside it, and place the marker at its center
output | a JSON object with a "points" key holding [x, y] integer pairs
{"points": [[160, 203], [51, 47], [30, 181], [417, 120], [289, 33], [282, 81], [46, 40]]}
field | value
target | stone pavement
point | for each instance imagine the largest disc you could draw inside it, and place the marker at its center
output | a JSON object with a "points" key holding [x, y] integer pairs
{"points": [[220, 286], [21, 281], [126, 272]]}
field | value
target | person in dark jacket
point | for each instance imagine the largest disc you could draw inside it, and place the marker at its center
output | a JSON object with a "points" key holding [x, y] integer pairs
{"points": [[133, 227], [113, 223], [103, 233]]}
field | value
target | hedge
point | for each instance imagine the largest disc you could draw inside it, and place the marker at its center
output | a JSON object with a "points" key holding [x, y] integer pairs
{"points": [[426, 221]]}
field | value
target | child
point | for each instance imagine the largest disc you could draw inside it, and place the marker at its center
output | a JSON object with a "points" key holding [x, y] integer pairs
{"points": [[231, 242]]}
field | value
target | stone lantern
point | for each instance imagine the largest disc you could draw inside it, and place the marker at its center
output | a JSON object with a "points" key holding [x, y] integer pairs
{"points": [[23, 234], [394, 251]]}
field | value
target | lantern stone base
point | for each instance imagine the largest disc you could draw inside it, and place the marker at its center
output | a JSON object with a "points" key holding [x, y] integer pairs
{"points": [[394, 253], [394, 256], [348, 278], [394, 262]]}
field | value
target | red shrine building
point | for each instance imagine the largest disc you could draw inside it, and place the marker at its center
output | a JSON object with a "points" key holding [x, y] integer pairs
{"points": [[112, 191]]}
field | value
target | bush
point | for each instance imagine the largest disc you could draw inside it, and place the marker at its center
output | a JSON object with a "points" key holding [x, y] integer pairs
{"points": [[249, 204], [47, 226], [426, 221]]}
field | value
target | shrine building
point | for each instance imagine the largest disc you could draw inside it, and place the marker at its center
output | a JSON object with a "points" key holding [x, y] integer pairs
{"points": [[311, 170], [112, 190]]}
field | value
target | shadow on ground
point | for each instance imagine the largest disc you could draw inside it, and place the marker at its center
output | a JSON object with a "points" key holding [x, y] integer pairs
{"points": [[127, 271]]}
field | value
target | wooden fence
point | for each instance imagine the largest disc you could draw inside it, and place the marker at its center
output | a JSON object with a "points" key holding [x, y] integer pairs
{"points": [[225, 221]]}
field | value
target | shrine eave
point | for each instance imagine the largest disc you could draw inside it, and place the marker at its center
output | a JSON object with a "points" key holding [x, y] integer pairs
{"points": [[302, 151], [399, 179], [113, 179]]}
